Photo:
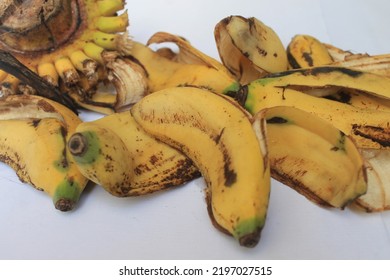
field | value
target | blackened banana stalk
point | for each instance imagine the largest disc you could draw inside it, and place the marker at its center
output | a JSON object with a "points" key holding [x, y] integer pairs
{"points": [[43, 88]]}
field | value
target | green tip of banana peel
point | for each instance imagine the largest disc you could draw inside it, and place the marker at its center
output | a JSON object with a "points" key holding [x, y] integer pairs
{"points": [[248, 232], [64, 204], [67, 195], [251, 239]]}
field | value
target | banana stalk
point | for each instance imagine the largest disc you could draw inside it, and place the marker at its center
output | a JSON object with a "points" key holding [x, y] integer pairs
{"points": [[18, 73]]}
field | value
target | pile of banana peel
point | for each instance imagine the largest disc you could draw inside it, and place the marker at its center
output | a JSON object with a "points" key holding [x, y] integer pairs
{"points": [[310, 115]]}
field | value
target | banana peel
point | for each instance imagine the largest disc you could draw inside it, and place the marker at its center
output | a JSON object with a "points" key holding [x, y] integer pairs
{"points": [[377, 198], [369, 128], [249, 48], [33, 136], [305, 51], [325, 77], [187, 53], [225, 148], [190, 68], [313, 157], [116, 153]]}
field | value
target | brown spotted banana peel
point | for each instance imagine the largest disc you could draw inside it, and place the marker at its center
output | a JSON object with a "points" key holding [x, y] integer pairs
{"points": [[359, 89], [33, 136], [217, 134], [368, 128], [249, 48], [115, 153], [368, 125], [305, 51], [313, 157]]}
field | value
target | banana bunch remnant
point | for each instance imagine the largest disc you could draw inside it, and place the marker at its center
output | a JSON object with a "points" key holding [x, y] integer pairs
{"points": [[63, 41], [117, 154], [33, 136]]}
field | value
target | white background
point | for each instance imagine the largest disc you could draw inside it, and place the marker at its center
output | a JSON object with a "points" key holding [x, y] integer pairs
{"points": [[175, 224]]}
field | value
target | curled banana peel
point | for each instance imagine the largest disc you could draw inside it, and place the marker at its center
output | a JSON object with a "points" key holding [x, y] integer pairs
{"points": [[305, 51], [117, 154], [367, 127], [377, 198], [188, 67], [336, 53], [33, 136], [313, 157], [230, 154], [249, 48], [329, 79], [65, 45], [186, 53], [377, 64]]}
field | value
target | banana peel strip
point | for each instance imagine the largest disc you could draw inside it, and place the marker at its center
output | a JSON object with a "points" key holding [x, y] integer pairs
{"points": [[187, 53], [377, 198]]}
